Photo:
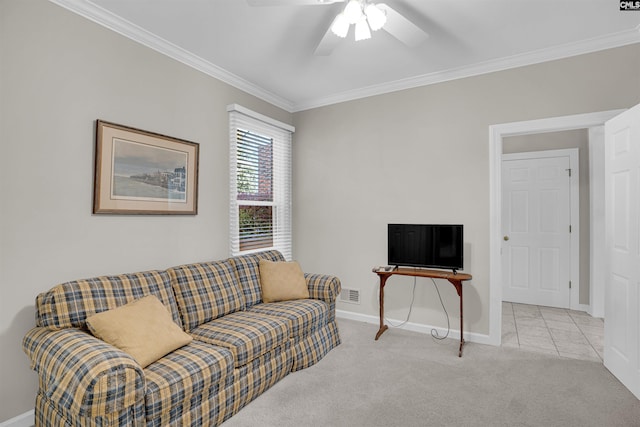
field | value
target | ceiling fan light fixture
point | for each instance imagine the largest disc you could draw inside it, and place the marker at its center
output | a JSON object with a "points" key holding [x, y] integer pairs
{"points": [[375, 16], [362, 30], [353, 11], [340, 26]]}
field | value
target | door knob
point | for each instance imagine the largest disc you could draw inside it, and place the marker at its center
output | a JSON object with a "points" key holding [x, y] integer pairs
{"points": [[506, 238]]}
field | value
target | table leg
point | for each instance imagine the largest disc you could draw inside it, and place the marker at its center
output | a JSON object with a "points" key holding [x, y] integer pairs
{"points": [[458, 285], [383, 327], [461, 324]]}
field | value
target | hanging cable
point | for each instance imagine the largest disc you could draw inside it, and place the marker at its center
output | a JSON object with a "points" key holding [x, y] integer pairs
{"points": [[434, 332], [413, 296]]}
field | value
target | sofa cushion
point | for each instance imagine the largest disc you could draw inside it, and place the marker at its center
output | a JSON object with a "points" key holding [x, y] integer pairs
{"points": [[69, 304], [142, 328], [190, 374], [282, 281], [248, 273], [305, 315], [206, 291], [247, 335]]}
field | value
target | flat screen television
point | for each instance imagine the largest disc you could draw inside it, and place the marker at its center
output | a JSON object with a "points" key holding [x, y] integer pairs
{"points": [[426, 245]]}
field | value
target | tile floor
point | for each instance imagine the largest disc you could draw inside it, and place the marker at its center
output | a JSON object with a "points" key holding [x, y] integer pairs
{"points": [[567, 333]]}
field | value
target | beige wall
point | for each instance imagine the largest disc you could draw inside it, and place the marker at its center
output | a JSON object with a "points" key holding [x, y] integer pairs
{"points": [[422, 156], [557, 141], [59, 73]]}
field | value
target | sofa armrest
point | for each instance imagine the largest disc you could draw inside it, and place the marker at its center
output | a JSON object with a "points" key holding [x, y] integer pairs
{"points": [[323, 287], [82, 373]]}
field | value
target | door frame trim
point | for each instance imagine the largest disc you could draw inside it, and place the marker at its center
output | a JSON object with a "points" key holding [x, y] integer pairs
{"points": [[574, 212], [496, 133]]}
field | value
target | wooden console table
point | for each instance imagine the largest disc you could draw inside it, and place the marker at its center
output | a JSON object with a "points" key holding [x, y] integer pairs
{"points": [[455, 279]]}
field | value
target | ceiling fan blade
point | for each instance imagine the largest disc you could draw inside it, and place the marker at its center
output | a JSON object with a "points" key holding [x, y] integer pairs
{"points": [[401, 28], [259, 3], [328, 43]]}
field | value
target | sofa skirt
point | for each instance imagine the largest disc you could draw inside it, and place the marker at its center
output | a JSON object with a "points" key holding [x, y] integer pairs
{"points": [[308, 351], [48, 414], [256, 377]]}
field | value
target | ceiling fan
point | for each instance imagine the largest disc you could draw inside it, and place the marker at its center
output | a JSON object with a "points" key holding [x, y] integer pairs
{"points": [[364, 15]]}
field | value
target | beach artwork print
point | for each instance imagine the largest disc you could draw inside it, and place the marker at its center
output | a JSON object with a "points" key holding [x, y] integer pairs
{"points": [[143, 171], [139, 172]]}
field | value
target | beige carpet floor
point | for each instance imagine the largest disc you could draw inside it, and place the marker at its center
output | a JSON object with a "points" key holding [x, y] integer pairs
{"points": [[410, 379]]}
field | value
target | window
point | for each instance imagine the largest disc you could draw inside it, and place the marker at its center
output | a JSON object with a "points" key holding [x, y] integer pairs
{"points": [[260, 183]]}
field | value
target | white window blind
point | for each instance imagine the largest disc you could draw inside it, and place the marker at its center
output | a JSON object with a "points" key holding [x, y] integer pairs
{"points": [[260, 183]]}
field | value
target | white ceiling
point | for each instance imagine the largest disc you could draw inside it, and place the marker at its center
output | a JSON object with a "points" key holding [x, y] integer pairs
{"points": [[269, 51]]}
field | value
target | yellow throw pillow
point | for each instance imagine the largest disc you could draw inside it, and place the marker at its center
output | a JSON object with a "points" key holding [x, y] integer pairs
{"points": [[282, 281], [143, 328]]}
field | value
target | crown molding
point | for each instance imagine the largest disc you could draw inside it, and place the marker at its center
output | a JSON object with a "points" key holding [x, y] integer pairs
{"points": [[609, 41], [126, 28], [123, 27]]}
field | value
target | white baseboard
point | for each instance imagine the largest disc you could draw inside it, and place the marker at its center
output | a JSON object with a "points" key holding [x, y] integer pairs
{"points": [[25, 420], [416, 327]]}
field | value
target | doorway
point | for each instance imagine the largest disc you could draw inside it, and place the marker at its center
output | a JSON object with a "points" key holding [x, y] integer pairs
{"points": [[496, 135]]}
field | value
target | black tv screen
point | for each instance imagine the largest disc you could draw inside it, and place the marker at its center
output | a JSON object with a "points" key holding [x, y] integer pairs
{"points": [[426, 245]]}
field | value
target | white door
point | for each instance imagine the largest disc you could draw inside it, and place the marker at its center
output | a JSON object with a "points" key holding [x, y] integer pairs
{"points": [[622, 218], [536, 216]]}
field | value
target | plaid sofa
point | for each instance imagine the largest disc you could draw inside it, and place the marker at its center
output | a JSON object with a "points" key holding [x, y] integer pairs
{"points": [[241, 345]]}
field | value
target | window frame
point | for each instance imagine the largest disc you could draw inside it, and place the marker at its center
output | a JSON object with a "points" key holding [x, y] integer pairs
{"points": [[281, 137]]}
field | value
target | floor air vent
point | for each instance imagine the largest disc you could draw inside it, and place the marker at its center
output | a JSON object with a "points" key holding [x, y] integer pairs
{"points": [[350, 295]]}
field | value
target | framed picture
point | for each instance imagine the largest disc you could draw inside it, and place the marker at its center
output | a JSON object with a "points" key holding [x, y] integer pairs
{"points": [[140, 172]]}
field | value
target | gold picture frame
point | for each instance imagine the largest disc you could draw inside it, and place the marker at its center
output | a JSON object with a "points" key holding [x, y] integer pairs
{"points": [[144, 173]]}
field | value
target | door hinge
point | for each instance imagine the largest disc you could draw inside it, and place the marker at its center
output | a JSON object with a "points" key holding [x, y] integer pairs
{"points": [[569, 284], [569, 170]]}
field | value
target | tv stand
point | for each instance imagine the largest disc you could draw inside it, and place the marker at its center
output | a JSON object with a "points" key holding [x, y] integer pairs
{"points": [[454, 278]]}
